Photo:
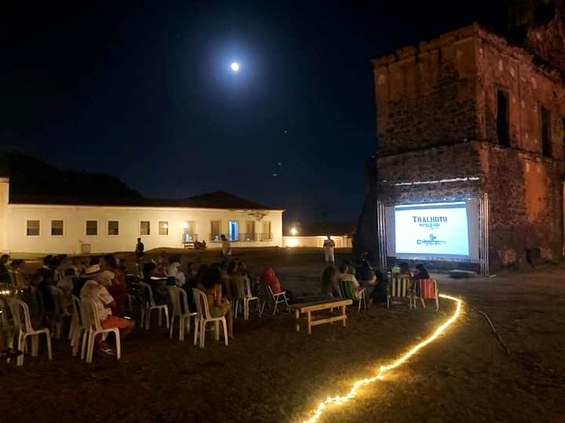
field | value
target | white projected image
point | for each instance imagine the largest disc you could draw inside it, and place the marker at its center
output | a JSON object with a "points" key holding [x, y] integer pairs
{"points": [[439, 230]]}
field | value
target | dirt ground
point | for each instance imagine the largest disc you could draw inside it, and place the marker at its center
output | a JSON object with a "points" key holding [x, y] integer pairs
{"points": [[270, 373]]}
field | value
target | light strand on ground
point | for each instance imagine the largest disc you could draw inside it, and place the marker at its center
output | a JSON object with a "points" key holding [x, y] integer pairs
{"points": [[340, 400]]}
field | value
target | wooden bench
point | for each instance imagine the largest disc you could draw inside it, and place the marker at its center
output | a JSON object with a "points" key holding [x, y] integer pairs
{"points": [[313, 319]]}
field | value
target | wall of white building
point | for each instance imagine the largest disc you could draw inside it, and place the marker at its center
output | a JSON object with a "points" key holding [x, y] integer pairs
{"points": [[14, 224]]}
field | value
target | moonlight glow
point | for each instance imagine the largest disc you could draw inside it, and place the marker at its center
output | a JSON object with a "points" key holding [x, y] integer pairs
{"points": [[234, 66]]}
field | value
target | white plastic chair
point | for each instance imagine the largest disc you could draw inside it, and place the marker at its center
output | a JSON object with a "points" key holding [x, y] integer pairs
{"points": [[79, 331], [180, 309], [138, 270], [91, 320], [61, 311], [22, 322], [204, 317], [150, 306], [245, 296]]}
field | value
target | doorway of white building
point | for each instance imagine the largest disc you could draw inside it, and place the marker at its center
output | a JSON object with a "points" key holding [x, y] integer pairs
{"points": [[233, 230]]}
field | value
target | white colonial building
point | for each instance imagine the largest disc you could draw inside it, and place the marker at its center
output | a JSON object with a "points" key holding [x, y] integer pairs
{"points": [[36, 224]]}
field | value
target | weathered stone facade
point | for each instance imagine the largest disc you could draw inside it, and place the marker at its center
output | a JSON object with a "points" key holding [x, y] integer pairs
{"points": [[468, 114]]}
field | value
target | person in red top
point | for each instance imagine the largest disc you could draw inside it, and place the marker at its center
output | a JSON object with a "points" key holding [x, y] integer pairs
{"points": [[117, 288], [268, 277]]}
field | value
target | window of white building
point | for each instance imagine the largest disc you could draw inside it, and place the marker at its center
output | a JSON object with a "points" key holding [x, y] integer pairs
{"points": [[249, 230], [113, 227], [266, 235], [163, 228], [188, 234], [32, 228], [215, 230], [92, 227], [57, 228], [144, 227]]}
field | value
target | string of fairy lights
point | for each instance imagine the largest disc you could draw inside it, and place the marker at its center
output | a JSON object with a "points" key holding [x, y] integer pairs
{"points": [[341, 400]]}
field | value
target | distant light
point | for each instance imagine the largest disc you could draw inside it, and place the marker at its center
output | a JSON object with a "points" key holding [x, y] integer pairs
{"points": [[184, 224], [234, 66], [292, 242], [293, 231]]}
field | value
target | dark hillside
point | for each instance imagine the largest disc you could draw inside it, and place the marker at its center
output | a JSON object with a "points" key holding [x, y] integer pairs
{"points": [[31, 176]]}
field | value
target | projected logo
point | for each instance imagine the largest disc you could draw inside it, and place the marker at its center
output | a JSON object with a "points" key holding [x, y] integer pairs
{"points": [[432, 240], [430, 222]]}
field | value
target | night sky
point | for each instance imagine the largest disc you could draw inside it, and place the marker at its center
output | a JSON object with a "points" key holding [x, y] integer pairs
{"points": [[143, 90]]}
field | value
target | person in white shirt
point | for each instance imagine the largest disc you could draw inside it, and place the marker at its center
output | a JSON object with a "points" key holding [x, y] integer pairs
{"points": [[329, 246], [345, 275], [94, 290], [174, 270]]}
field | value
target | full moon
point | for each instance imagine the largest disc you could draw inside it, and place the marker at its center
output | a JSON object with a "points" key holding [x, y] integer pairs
{"points": [[234, 66]]}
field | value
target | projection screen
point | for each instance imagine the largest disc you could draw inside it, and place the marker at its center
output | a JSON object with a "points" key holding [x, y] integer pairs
{"points": [[447, 230]]}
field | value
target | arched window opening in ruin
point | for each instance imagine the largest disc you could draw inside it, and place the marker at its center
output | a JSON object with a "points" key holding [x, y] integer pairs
{"points": [[545, 131]]}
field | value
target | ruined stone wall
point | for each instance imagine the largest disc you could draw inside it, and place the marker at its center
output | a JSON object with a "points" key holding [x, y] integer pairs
{"points": [[426, 96], [528, 87], [421, 174], [525, 195], [524, 186]]}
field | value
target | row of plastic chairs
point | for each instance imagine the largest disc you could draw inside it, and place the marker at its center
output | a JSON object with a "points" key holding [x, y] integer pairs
{"points": [[85, 321], [85, 326], [181, 312]]}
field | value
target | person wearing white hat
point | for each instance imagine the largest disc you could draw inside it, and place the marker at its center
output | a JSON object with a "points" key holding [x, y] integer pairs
{"points": [[95, 291]]}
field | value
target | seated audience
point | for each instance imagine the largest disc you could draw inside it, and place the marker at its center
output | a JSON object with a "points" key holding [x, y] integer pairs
{"points": [[365, 274], [219, 306], [405, 270], [330, 286], [117, 286], [42, 280], [379, 292], [345, 276], [268, 277], [422, 272], [21, 278], [157, 283], [367, 279], [67, 283], [4, 274], [94, 290], [174, 271]]}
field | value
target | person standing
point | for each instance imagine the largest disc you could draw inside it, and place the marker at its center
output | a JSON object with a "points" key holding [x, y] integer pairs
{"points": [[139, 250], [226, 247], [329, 246]]}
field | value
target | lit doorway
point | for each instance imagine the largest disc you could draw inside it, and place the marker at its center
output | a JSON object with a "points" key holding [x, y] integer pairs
{"points": [[233, 230]]}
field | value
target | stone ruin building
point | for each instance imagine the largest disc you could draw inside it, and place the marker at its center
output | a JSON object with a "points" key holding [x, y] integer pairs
{"points": [[469, 114]]}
